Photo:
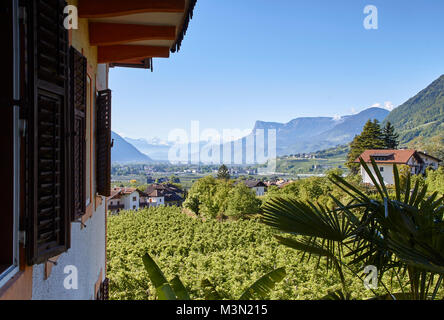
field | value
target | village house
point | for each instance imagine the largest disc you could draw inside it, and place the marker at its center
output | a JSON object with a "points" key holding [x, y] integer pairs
{"points": [[56, 133], [385, 159], [163, 195], [123, 199], [257, 186]]}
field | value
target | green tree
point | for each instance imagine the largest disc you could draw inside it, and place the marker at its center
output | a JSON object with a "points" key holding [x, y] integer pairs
{"points": [[391, 138], [208, 197], [370, 138], [435, 180], [192, 203], [241, 201], [223, 173]]}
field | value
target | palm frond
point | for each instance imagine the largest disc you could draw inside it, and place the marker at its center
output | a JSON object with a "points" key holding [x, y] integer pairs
{"points": [[179, 289], [295, 217], [262, 287]]}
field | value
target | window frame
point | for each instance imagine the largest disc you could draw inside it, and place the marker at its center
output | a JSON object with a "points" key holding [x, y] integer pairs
{"points": [[14, 268]]}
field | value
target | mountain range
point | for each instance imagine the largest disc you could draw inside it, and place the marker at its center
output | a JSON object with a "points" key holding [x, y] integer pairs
{"points": [[155, 148], [124, 152], [419, 117], [313, 134]]}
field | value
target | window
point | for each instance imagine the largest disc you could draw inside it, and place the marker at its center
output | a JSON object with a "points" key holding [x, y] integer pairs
{"points": [[381, 169], [134, 198], [9, 139]]}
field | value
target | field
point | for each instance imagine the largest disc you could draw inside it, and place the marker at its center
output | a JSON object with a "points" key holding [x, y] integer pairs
{"points": [[232, 255]]}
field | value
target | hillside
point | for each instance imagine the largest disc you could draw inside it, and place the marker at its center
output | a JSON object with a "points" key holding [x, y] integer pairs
{"points": [[421, 116], [124, 152], [155, 150], [318, 133]]}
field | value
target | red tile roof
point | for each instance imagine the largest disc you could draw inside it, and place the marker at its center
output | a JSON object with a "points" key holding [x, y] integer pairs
{"points": [[394, 156], [116, 193]]}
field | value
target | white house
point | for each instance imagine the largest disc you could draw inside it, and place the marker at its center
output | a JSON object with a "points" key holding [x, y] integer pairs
{"points": [[123, 199], [385, 159], [257, 186]]}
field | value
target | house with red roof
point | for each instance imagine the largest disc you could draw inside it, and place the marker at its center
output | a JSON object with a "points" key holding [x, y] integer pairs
{"points": [[418, 162]]}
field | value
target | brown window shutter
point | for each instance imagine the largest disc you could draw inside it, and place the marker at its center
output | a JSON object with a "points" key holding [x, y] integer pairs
{"points": [[47, 142], [78, 87], [104, 143], [103, 293]]}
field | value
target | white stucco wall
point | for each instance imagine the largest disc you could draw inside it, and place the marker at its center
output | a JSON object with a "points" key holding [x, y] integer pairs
{"points": [[87, 254], [387, 174], [129, 203], [157, 201]]}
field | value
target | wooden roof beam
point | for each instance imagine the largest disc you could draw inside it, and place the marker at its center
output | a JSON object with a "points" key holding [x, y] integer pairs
{"points": [[115, 8], [103, 34], [114, 53]]}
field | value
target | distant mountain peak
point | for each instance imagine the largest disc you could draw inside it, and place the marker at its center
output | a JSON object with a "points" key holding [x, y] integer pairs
{"points": [[308, 134], [124, 152]]}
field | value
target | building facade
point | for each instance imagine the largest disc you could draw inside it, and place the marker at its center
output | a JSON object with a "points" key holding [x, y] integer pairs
{"points": [[124, 199], [417, 161], [56, 133], [259, 187]]}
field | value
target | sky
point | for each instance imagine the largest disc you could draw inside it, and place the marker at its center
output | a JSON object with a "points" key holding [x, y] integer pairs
{"points": [[249, 60]]}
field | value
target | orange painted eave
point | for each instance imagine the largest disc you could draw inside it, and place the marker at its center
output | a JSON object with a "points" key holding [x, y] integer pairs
{"points": [[101, 34], [115, 8], [116, 53]]}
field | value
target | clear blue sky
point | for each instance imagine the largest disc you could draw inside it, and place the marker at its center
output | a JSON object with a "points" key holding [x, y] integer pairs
{"points": [[275, 60]]}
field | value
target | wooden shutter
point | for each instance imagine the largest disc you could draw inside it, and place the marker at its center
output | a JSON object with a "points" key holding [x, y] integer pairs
{"points": [[104, 143], [78, 87], [47, 142], [103, 293]]}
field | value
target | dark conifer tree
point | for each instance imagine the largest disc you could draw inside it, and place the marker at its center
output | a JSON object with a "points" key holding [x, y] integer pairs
{"points": [[370, 138], [390, 136], [223, 173]]}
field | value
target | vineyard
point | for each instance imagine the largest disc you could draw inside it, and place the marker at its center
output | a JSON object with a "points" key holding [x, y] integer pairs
{"points": [[232, 255]]}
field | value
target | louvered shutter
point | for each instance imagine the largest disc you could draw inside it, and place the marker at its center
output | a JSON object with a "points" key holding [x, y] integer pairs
{"points": [[48, 144], [78, 87], [104, 143], [103, 293]]}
